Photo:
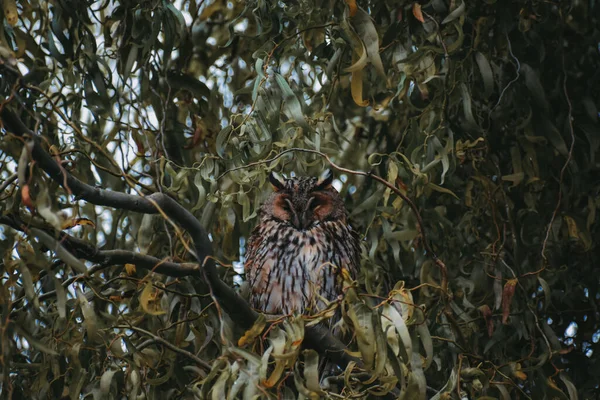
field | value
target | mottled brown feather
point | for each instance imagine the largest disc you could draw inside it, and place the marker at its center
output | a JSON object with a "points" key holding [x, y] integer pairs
{"points": [[299, 247]]}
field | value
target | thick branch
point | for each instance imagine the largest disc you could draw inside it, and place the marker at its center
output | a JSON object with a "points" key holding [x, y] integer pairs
{"points": [[318, 338], [82, 249]]}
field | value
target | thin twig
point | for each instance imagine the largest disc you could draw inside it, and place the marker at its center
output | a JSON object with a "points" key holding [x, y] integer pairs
{"points": [[566, 164]]}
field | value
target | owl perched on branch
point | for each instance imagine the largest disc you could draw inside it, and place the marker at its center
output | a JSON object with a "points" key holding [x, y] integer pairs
{"points": [[298, 249]]}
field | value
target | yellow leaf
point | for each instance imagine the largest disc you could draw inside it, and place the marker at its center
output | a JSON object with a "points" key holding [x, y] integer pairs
{"points": [[150, 300], [357, 89], [521, 375], [254, 331], [70, 223], [130, 269]]}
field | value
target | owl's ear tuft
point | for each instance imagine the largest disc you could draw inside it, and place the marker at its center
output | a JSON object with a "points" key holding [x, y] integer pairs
{"points": [[276, 180], [325, 180]]}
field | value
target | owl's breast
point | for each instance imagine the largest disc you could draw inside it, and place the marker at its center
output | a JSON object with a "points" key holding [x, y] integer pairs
{"points": [[291, 270]]}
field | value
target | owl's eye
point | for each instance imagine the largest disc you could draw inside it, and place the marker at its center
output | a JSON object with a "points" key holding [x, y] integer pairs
{"points": [[287, 205], [314, 203]]}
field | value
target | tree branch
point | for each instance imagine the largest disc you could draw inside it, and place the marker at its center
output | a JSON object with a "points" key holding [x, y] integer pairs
{"points": [[316, 337]]}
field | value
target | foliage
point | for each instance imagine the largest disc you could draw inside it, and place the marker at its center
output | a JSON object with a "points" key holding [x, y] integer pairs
{"points": [[480, 237]]}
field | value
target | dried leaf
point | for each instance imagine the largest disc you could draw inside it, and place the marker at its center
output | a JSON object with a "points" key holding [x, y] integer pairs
{"points": [[130, 269], [357, 89], [507, 296], [150, 300], [251, 334], [416, 9]]}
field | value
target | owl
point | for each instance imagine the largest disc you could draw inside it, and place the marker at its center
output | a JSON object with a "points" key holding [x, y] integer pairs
{"points": [[296, 253]]}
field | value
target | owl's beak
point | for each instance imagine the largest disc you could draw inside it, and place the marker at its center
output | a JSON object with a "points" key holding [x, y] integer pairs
{"points": [[305, 218]]}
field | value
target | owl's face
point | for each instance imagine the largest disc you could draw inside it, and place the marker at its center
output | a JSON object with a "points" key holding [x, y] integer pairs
{"points": [[304, 202]]}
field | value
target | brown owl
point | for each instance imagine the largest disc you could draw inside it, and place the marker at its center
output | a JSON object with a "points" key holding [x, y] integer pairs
{"points": [[299, 247]]}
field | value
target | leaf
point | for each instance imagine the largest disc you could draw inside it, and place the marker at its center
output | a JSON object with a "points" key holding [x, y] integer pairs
{"points": [[26, 197], [456, 13], [61, 298], [256, 330], [352, 7], [106, 382], [536, 89], [486, 73], [27, 280], [132, 57], [487, 316], [440, 189], [90, 321], [130, 269], [222, 139], [392, 319], [427, 341], [416, 9], [570, 386], [363, 23], [311, 371], [73, 222], [546, 289], [150, 300], [362, 320], [277, 340], [358, 48], [356, 89], [507, 295], [291, 101]]}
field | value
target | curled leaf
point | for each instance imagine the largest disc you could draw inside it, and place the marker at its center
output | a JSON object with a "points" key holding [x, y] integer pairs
{"points": [[507, 295]]}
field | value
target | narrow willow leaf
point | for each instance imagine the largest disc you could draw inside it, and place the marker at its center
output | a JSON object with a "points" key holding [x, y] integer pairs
{"points": [[78, 378], [470, 123], [440, 189], [456, 13], [507, 295], [61, 298], [536, 89], [311, 371], [277, 340], [291, 101], [106, 382], [425, 337], [361, 318], [366, 30], [134, 382], [570, 386], [399, 325], [27, 280], [222, 139], [486, 73], [251, 334], [219, 388], [356, 88], [90, 321], [132, 57], [357, 46], [448, 387]]}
